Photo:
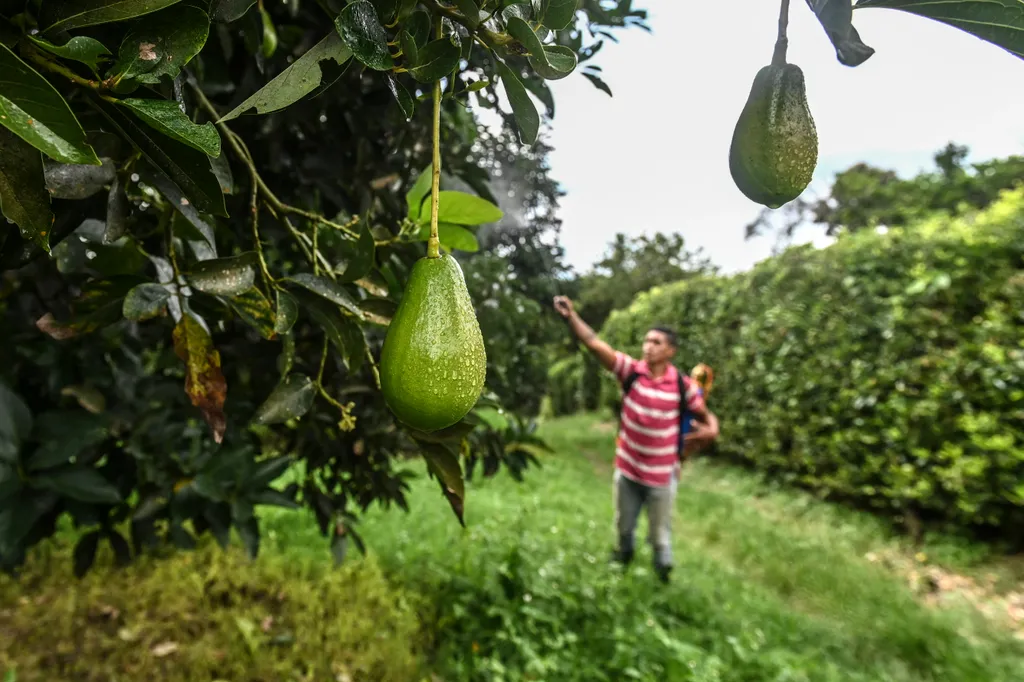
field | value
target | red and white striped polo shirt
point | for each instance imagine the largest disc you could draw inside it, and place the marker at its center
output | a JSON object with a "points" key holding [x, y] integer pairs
{"points": [[647, 446]]}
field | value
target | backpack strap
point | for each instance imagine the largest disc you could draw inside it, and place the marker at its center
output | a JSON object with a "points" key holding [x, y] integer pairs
{"points": [[684, 414]]}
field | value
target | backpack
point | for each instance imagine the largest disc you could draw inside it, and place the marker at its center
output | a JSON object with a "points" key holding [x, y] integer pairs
{"points": [[684, 412]]}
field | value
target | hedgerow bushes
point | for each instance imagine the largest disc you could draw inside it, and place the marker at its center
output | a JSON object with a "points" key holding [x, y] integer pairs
{"points": [[887, 369]]}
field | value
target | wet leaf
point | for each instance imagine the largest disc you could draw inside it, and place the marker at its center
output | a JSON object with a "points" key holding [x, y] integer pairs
{"points": [[457, 237], [77, 181], [836, 18], [65, 434], [445, 466], [410, 49], [291, 399], [253, 307], [82, 483], [521, 31], [418, 26], [71, 14], [341, 330], [328, 289], [999, 23], [437, 59], [182, 174], [268, 470], [23, 196], [204, 381], [559, 13], [378, 311], [118, 209], [361, 30], [85, 553], [227, 11], [229, 276], [287, 312], [34, 111], [84, 49], [145, 301], [161, 46], [525, 112], [561, 61], [402, 96], [297, 81], [359, 256], [167, 117]]}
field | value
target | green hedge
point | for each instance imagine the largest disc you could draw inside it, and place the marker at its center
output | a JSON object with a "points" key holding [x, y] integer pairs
{"points": [[564, 385], [887, 369]]}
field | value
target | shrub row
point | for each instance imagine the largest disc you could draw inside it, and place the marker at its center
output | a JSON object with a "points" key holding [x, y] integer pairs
{"points": [[886, 369]]}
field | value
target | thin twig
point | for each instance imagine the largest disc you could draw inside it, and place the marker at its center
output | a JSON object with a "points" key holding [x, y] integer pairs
{"points": [[433, 243], [782, 42]]}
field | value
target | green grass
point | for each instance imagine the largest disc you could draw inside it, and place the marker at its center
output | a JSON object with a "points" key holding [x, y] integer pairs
{"points": [[770, 584]]}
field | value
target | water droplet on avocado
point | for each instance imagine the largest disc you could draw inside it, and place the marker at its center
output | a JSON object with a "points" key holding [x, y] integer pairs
{"points": [[775, 143], [433, 363]]}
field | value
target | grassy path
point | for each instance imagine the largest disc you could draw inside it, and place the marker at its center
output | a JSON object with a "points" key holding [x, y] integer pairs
{"points": [[769, 585]]}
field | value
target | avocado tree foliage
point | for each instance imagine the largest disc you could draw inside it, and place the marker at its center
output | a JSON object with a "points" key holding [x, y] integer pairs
{"points": [[214, 208], [226, 196]]}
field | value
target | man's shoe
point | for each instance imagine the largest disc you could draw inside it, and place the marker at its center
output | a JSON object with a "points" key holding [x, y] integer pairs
{"points": [[663, 573], [620, 557]]}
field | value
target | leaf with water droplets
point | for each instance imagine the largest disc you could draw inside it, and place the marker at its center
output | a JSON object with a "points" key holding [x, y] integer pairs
{"points": [[88, 51], [204, 381], [253, 307], [521, 31], [444, 464], [559, 13], [23, 196], [361, 30], [358, 256], [437, 59], [145, 301], [287, 312], [224, 276], [72, 14], [332, 291], [560, 62], [166, 116], [378, 311], [342, 331], [291, 399], [162, 45]]}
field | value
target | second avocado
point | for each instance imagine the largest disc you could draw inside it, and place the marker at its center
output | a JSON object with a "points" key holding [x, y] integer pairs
{"points": [[433, 364], [775, 144]]}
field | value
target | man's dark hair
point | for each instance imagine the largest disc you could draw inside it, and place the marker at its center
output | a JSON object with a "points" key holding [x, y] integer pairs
{"points": [[670, 334]]}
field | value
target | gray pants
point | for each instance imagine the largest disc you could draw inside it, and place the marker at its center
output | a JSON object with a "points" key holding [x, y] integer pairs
{"points": [[629, 497]]}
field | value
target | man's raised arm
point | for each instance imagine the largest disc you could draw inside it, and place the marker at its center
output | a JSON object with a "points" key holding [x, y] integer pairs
{"points": [[604, 352]]}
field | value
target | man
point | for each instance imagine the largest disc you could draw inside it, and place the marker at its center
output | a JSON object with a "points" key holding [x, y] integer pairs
{"points": [[648, 448]]}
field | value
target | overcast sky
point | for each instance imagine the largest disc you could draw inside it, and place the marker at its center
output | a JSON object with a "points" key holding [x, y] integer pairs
{"points": [[655, 156]]}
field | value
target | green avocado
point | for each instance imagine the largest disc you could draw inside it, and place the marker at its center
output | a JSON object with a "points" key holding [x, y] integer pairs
{"points": [[433, 363], [775, 144]]}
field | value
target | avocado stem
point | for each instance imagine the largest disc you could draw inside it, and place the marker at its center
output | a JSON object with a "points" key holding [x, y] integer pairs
{"points": [[782, 42], [433, 243]]}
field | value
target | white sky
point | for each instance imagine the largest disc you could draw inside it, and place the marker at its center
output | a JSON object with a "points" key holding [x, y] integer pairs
{"points": [[655, 156]]}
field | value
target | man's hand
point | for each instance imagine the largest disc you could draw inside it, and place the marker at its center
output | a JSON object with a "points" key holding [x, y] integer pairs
{"points": [[703, 433], [563, 306]]}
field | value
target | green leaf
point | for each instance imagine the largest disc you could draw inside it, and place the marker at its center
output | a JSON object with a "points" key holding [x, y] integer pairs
{"points": [[10, 482], [66, 15], [161, 45], [470, 10], [522, 106], [598, 83], [332, 291], [84, 49], [118, 209], [268, 470], [34, 111], [64, 435], [418, 192], [297, 81], [461, 208], [224, 276], [85, 552], [418, 26], [1000, 22], [492, 418], [560, 13], [274, 498], [410, 49], [204, 381], [521, 31], [456, 237], [118, 545], [436, 60], [445, 466], [15, 423], [167, 117], [249, 532], [835, 17], [145, 301], [187, 224], [21, 515], [358, 256], [186, 169], [361, 30], [402, 96], [227, 11], [341, 330], [378, 311], [253, 307], [82, 483], [23, 196], [291, 399], [77, 180], [561, 61], [287, 312]]}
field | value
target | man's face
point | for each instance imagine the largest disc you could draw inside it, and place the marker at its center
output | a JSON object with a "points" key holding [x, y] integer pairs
{"points": [[657, 348]]}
